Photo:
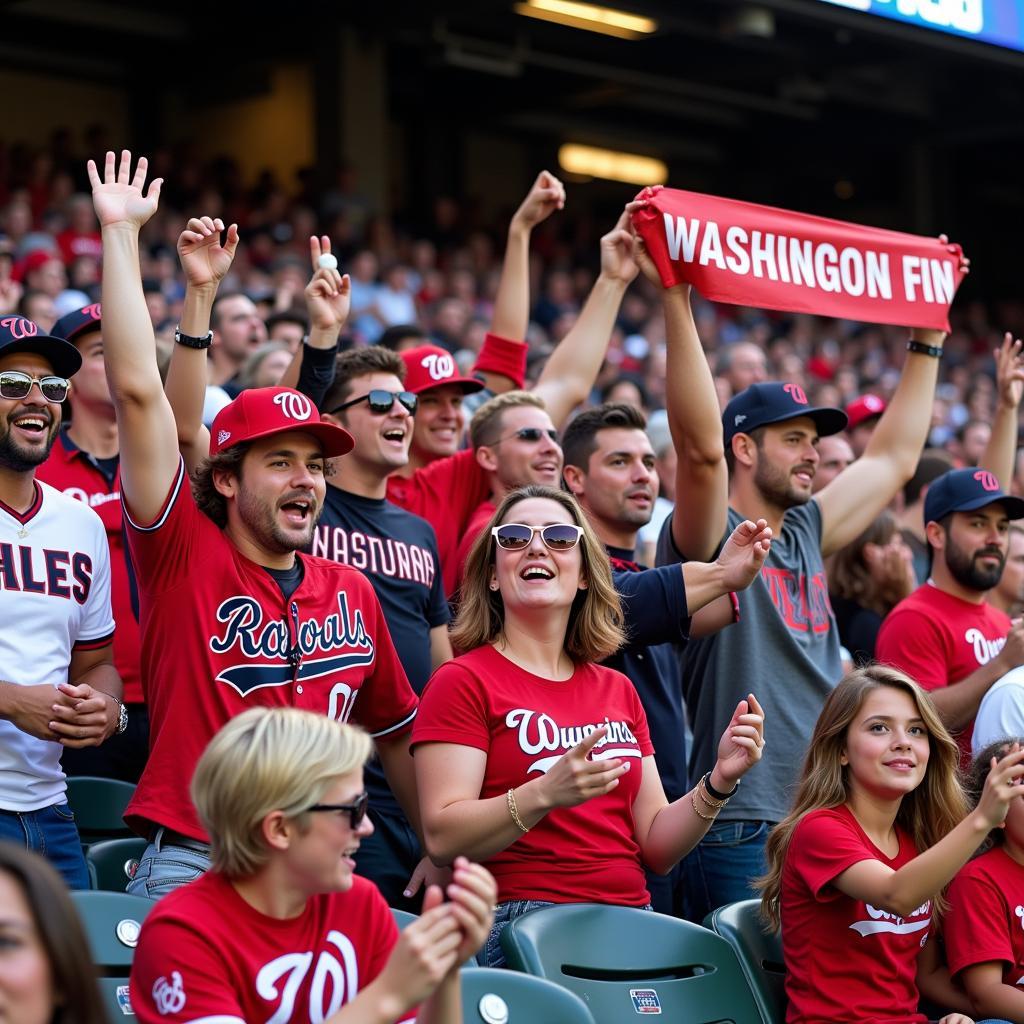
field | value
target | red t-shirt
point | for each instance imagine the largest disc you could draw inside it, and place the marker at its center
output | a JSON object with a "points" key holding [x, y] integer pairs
{"points": [[205, 954], [845, 960], [446, 493], [216, 640], [481, 517], [70, 470], [524, 723], [985, 920], [939, 639]]}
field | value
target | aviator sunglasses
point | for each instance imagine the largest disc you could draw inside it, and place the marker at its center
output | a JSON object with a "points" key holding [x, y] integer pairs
{"points": [[556, 537], [380, 401], [15, 385], [356, 810], [529, 434]]}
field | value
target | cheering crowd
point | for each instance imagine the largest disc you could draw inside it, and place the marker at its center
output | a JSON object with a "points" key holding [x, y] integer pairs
{"points": [[423, 500]]}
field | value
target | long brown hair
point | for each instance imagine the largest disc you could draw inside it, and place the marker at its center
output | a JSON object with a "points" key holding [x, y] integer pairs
{"points": [[61, 934], [595, 628], [928, 813], [849, 575]]}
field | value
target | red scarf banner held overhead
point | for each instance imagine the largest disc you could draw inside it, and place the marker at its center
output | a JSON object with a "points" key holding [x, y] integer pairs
{"points": [[751, 255]]}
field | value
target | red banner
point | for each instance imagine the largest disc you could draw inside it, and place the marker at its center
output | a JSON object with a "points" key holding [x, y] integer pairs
{"points": [[752, 255]]}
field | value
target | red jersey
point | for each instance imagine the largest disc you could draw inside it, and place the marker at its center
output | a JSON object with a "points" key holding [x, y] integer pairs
{"points": [[524, 723], [74, 472], [845, 960], [481, 517], [986, 915], [446, 493], [939, 639], [218, 638], [205, 954]]}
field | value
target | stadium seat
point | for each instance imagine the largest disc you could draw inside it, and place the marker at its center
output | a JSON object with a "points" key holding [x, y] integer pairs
{"points": [[403, 918], [759, 952], [99, 807], [112, 862], [112, 921], [491, 996], [114, 993], [622, 961]]}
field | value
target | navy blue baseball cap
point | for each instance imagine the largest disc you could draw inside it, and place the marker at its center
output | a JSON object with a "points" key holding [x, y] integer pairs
{"points": [[964, 490], [77, 322], [20, 335], [773, 402]]}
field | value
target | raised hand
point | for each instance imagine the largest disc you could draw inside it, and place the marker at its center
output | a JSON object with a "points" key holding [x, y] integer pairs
{"points": [[618, 260], [118, 197], [742, 743], [574, 778], [329, 293], [203, 258], [744, 552], [1009, 371], [545, 196]]}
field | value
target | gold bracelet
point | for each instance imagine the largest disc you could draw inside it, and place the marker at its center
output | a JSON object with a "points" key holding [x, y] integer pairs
{"points": [[701, 790], [510, 799], [700, 813]]}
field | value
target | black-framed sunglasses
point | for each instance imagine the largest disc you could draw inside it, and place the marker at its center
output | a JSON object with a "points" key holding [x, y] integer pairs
{"points": [[356, 810], [16, 385], [380, 401], [556, 537], [529, 434]]}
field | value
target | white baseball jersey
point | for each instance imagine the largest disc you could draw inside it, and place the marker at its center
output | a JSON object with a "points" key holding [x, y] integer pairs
{"points": [[54, 599]]}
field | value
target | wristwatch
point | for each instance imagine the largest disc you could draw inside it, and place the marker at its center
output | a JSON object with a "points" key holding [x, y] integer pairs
{"points": [[122, 719], [192, 342]]}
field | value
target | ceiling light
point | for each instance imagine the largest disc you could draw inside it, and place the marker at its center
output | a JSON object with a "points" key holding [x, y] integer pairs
{"points": [[607, 20], [608, 163]]}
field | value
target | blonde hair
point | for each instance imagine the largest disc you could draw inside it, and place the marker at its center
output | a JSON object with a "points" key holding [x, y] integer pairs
{"points": [[928, 813], [485, 426], [268, 759], [595, 629]]}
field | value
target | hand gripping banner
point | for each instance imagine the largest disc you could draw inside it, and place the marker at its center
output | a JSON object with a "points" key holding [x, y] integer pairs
{"points": [[752, 255]]}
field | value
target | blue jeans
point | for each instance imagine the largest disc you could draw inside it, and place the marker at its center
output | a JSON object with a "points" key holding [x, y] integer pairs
{"points": [[721, 868], [51, 832], [164, 867]]}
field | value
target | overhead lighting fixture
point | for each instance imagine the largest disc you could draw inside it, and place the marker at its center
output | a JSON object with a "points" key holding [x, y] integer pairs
{"points": [[630, 168], [607, 20]]}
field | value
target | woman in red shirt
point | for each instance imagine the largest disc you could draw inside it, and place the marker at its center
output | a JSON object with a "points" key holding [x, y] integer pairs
{"points": [[878, 829], [533, 759]]}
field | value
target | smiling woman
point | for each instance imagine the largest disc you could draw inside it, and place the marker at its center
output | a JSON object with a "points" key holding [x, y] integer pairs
{"points": [[532, 758]]}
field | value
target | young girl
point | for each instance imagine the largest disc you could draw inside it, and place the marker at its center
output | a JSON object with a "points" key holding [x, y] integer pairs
{"points": [[877, 831], [984, 926]]}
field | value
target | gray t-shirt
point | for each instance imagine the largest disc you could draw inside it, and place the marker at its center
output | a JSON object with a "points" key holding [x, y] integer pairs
{"points": [[784, 649]]}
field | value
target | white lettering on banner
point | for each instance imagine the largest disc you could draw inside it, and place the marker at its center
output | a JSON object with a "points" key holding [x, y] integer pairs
{"points": [[343, 976], [538, 732], [883, 921], [984, 649], [963, 15], [293, 405]]}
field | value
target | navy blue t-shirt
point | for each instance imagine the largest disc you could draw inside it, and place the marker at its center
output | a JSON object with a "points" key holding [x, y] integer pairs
{"points": [[397, 552]]}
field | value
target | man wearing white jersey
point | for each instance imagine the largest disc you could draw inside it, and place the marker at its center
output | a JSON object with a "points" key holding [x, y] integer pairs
{"points": [[58, 684]]}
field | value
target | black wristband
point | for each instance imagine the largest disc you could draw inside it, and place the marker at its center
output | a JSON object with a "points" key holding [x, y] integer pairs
{"points": [[717, 794], [189, 342], [935, 351]]}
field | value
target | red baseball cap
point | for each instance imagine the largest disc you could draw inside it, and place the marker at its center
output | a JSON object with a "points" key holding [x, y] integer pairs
{"points": [[862, 409], [260, 412], [429, 366]]}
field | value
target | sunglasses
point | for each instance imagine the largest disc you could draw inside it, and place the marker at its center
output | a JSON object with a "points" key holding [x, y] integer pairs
{"points": [[15, 385], [380, 401], [356, 810], [530, 434], [556, 537]]}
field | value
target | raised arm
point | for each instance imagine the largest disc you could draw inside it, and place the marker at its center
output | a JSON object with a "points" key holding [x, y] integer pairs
{"points": [[148, 439], [205, 263], [1001, 450], [573, 367]]}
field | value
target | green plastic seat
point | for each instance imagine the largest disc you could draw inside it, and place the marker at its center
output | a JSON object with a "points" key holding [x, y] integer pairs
{"points": [[112, 921], [759, 952], [114, 992], [626, 963], [402, 918], [491, 996], [99, 807], [112, 862]]}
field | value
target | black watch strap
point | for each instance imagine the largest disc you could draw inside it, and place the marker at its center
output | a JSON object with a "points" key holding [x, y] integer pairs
{"points": [[935, 351], [190, 342]]}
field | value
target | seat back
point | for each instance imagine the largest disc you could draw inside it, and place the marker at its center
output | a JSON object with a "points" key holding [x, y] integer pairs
{"points": [[623, 961], [491, 996], [112, 862], [402, 918], [116, 1001], [759, 952], [99, 807], [112, 921]]}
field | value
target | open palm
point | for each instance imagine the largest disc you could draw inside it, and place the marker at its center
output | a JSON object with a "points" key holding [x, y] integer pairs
{"points": [[118, 197]]}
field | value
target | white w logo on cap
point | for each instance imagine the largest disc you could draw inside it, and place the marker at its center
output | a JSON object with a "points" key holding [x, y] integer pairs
{"points": [[439, 366], [293, 405]]}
